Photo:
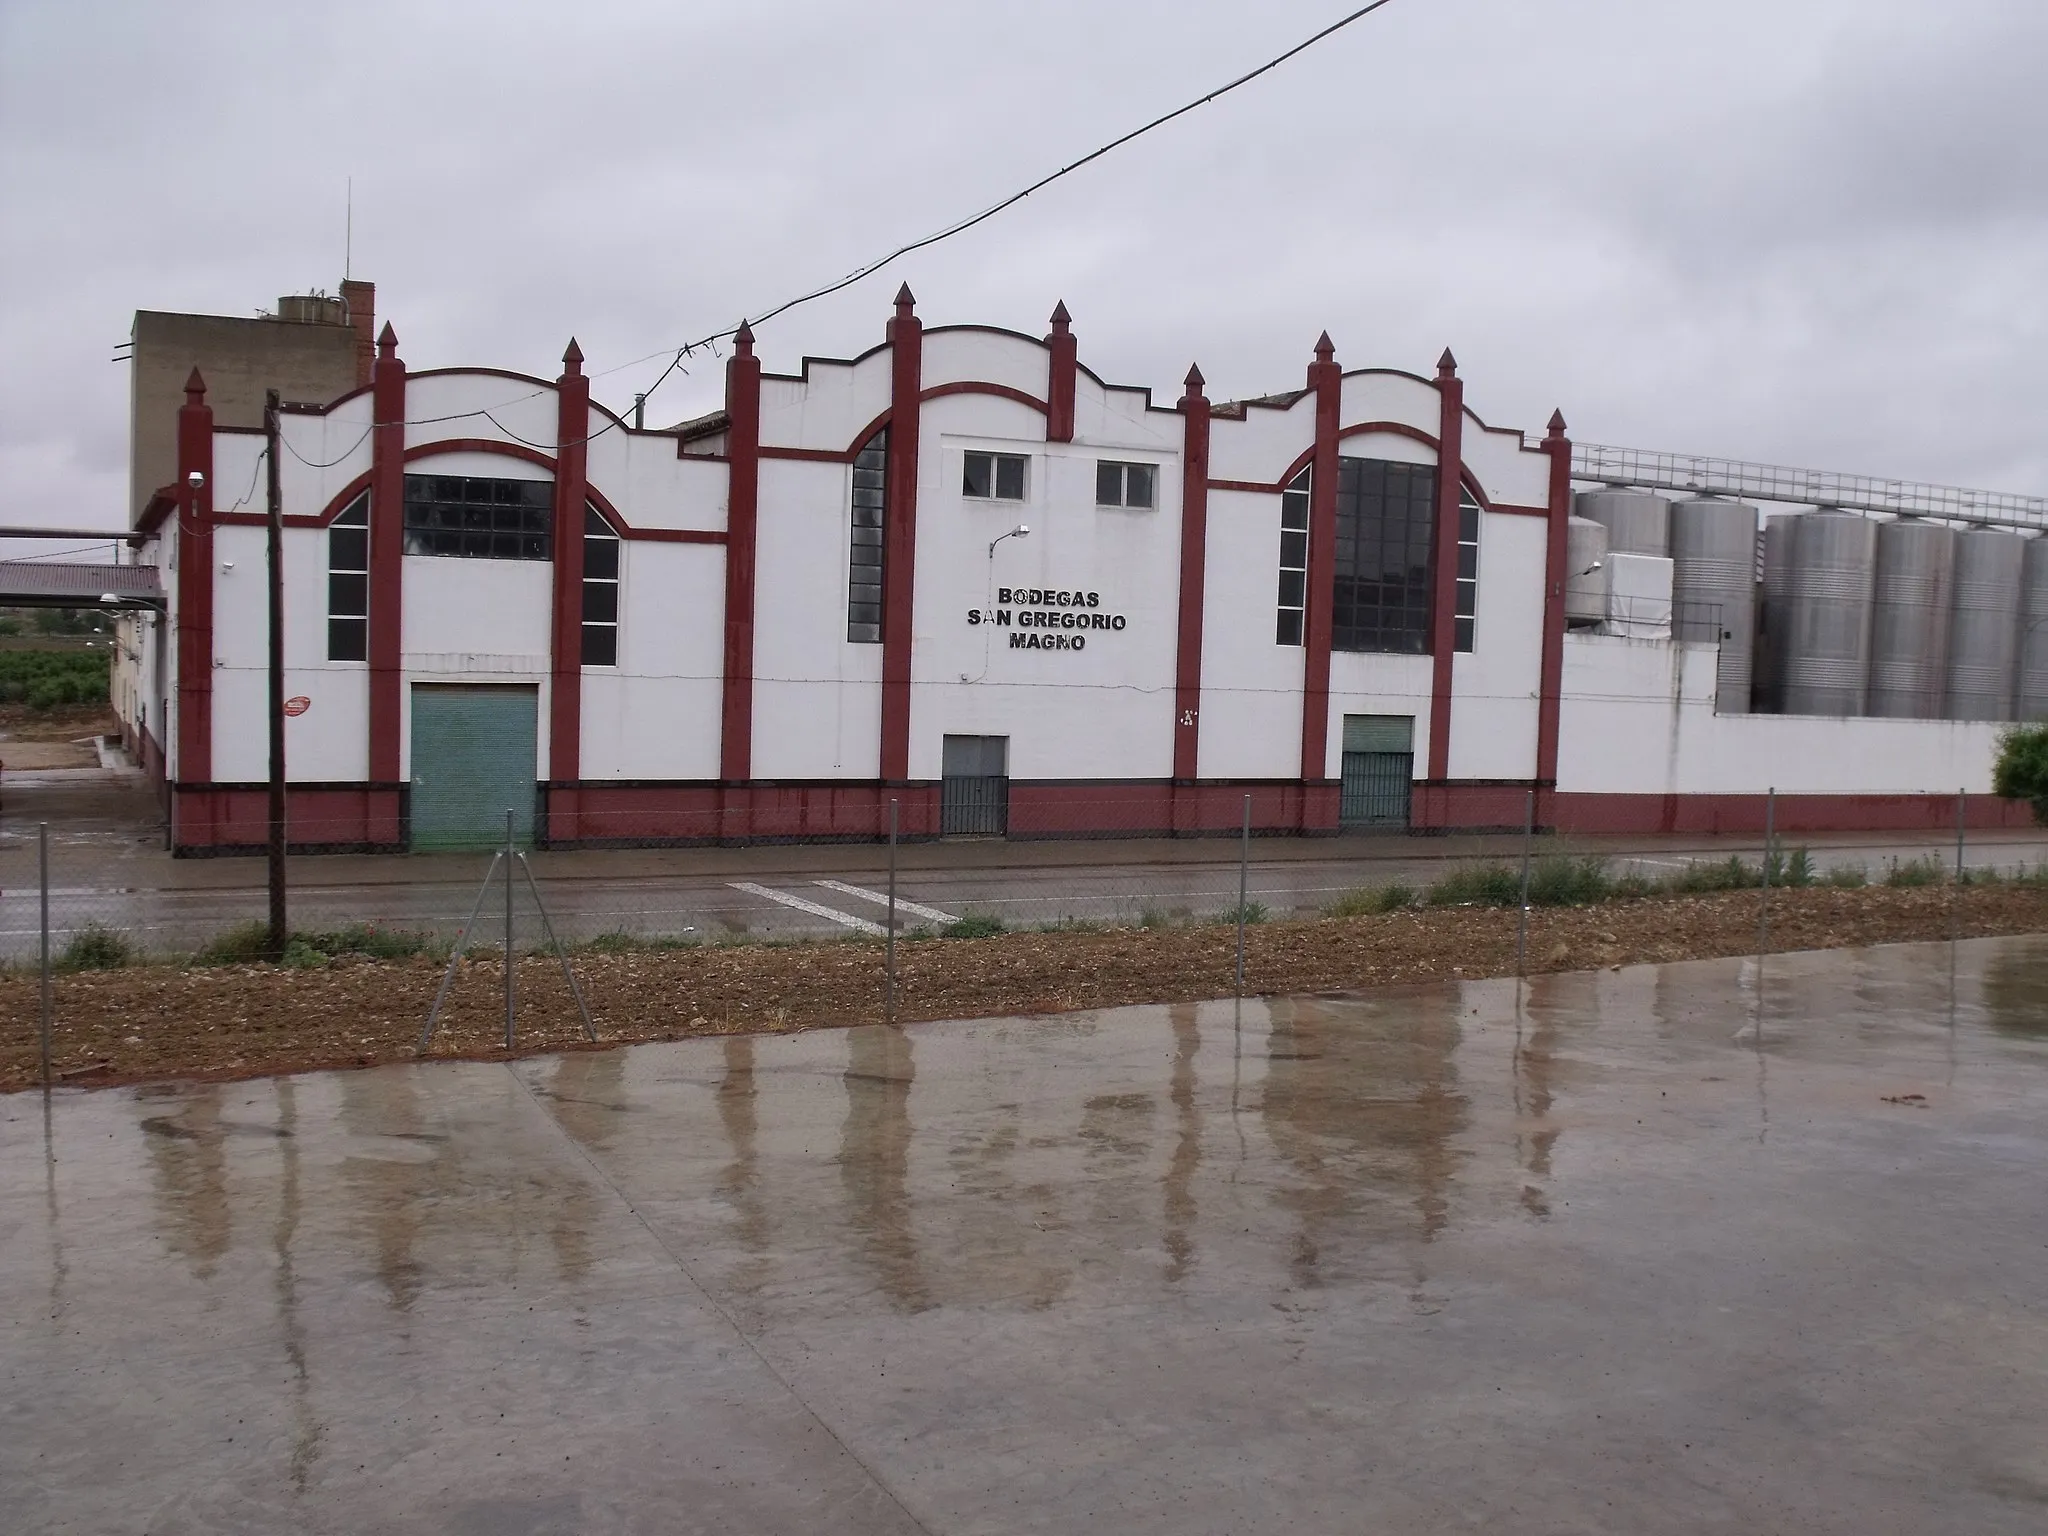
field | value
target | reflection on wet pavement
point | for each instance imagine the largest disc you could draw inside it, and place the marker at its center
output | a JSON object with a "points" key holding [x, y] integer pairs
{"points": [[1652, 1249]]}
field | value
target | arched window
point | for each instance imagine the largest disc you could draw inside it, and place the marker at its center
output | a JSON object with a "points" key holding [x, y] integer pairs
{"points": [[348, 582], [1293, 559], [865, 552]]}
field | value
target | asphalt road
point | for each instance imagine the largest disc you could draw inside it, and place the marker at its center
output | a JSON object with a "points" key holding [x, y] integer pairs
{"points": [[108, 865]]}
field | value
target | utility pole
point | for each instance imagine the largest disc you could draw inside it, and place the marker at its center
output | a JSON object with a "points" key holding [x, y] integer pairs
{"points": [[280, 930]]}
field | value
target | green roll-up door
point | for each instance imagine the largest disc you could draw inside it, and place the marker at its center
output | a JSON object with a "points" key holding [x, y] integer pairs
{"points": [[1379, 770], [474, 753]]}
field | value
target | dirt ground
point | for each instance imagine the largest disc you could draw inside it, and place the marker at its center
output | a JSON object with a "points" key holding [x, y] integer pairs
{"points": [[52, 738], [246, 1021]]}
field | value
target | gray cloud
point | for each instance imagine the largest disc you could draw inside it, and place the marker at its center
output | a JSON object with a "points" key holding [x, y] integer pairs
{"points": [[1812, 230]]}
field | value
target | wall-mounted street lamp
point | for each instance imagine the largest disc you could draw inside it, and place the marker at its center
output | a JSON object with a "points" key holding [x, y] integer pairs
{"points": [[1021, 531]]}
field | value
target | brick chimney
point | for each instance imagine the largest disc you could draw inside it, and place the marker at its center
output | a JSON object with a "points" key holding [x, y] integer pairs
{"points": [[361, 299]]}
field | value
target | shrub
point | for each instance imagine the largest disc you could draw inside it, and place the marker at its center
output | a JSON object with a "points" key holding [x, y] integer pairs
{"points": [[2021, 771], [1372, 900], [95, 947], [249, 944], [1254, 912], [1155, 917], [1566, 880], [975, 925], [50, 679], [1700, 878], [1847, 877], [1477, 885], [1921, 871], [617, 941], [244, 944]]}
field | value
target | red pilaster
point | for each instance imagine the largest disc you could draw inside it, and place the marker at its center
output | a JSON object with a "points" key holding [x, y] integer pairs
{"points": [[899, 534], [565, 690], [1443, 594], [1326, 380], [743, 450], [196, 576], [1549, 698], [1194, 556], [1061, 365], [387, 563]]}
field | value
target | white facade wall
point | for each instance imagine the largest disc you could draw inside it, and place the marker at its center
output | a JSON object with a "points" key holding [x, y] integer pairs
{"points": [[1251, 688], [1495, 687], [828, 406], [656, 714], [1638, 718], [977, 354]]}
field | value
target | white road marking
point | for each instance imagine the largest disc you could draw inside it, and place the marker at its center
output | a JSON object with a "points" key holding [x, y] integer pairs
{"points": [[859, 924], [881, 899]]}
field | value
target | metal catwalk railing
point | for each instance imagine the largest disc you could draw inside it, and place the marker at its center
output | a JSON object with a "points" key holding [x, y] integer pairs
{"points": [[1700, 476]]}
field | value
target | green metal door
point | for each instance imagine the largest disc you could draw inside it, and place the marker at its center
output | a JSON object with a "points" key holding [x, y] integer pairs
{"points": [[1379, 770], [474, 751]]}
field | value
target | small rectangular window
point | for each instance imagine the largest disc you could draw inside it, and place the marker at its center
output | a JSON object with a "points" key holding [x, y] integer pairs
{"points": [[1124, 485], [1293, 560], [348, 582], [600, 590], [993, 476]]}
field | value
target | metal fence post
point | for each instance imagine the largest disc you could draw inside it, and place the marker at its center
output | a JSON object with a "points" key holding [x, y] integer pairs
{"points": [[43, 875], [889, 965], [1955, 901], [1763, 921], [1522, 925], [1244, 861], [511, 969]]}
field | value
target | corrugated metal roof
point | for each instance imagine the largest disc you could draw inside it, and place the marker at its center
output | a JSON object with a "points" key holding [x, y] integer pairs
{"points": [[55, 584]]}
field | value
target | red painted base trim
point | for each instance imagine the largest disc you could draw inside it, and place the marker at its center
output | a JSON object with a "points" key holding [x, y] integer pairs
{"points": [[231, 818]]}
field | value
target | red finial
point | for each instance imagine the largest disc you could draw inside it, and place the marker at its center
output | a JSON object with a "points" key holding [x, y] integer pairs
{"points": [[1557, 424], [743, 340], [195, 388], [1060, 318], [572, 359], [1447, 365], [387, 341], [1195, 381], [906, 301], [1326, 349]]}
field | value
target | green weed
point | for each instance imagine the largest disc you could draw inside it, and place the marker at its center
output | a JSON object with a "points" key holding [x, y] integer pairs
{"points": [[1914, 872], [975, 925], [1253, 911], [1372, 901], [1847, 877], [1477, 885], [95, 947]]}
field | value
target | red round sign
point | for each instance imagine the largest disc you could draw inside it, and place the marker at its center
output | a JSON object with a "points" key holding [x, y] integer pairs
{"points": [[297, 706]]}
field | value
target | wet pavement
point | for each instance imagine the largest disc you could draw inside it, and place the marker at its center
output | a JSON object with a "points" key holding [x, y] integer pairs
{"points": [[1661, 1249]]}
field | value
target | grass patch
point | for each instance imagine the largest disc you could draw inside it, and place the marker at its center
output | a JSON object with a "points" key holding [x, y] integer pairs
{"points": [[95, 947], [617, 941], [1252, 911], [1914, 872], [1847, 877], [1477, 885], [1073, 925], [1703, 877], [1155, 917], [1568, 880], [1372, 901], [975, 925], [249, 944]]}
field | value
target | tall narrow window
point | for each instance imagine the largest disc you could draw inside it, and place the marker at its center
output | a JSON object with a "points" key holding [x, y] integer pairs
{"points": [[864, 556], [600, 590], [1468, 569], [348, 583], [1293, 559], [1386, 521]]}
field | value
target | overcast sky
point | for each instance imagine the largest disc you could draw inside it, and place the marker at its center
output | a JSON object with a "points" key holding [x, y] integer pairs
{"points": [[1806, 231]]}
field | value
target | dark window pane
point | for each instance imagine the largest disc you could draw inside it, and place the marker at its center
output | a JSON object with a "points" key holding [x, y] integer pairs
{"points": [[1294, 549], [1138, 485], [1009, 477], [356, 514], [977, 478], [1468, 562], [601, 602], [348, 639], [1464, 640], [1289, 632], [1292, 585], [348, 596], [1468, 524], [1294, 511], [601, 558], [600, 645], [1109, 484], [348, 549]]}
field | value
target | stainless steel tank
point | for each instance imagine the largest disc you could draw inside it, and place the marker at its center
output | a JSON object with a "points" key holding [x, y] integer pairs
{"points": [[1774, 617], [2033, 667], [1585, 582], [1983, 636], [1827, 640], [1637, 522], [1909, 620], [1713, 589]]}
